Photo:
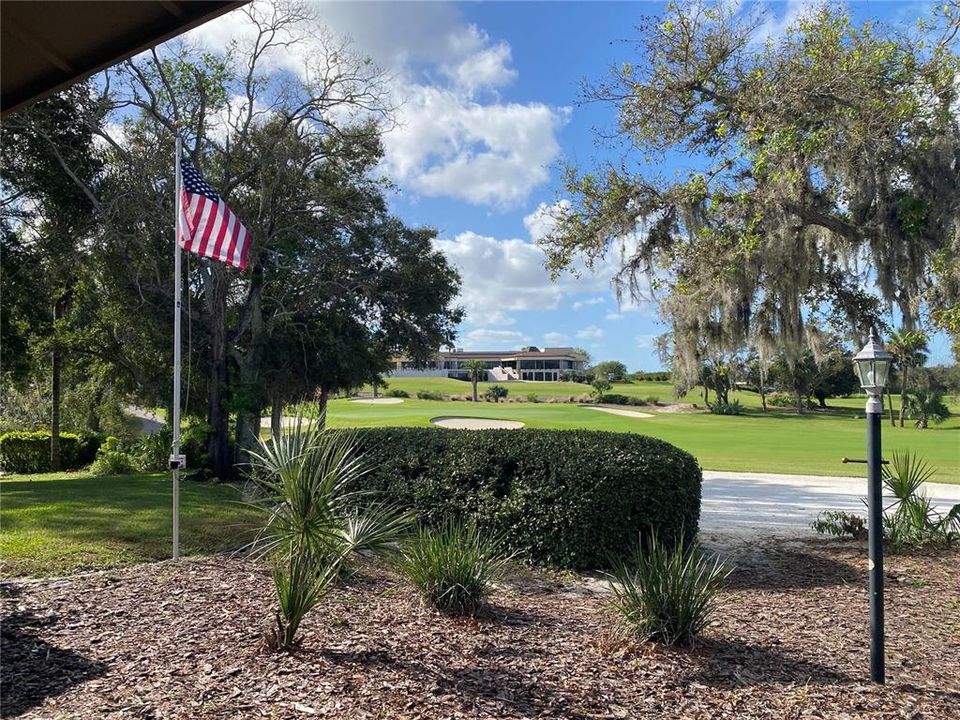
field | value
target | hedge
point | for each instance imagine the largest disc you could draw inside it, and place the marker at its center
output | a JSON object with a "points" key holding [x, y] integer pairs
{"points": [[563, 498], [29, 452]]}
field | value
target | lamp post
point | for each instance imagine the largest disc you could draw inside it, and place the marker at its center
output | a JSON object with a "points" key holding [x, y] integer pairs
{"points": [[873, 366]]}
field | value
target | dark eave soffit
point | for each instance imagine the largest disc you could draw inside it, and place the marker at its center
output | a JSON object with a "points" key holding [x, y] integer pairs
{"points": [[47, 45]]}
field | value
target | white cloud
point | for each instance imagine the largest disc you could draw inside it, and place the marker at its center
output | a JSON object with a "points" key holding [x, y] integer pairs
{"points": [[487, 339], [451, 145], [543, 220], [484, 65], [553, 339], [504, 275], [589, 301], [773, 27], [591, 332], [497, 317], [447, 142]]}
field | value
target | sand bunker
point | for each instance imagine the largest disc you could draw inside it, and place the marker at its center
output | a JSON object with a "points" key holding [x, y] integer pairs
{"points": [[617, 411], [377, 401], [474, 423]]}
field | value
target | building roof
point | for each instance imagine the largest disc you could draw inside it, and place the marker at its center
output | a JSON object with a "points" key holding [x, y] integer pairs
{"points": [[523, 352], [47, 46]]}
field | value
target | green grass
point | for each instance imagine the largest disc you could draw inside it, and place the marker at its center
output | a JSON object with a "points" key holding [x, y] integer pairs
{"points": [[64, 522], [778, 441], [449, 386]]}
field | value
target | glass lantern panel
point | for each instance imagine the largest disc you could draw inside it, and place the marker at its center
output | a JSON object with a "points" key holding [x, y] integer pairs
{"points": [[881, 370]]}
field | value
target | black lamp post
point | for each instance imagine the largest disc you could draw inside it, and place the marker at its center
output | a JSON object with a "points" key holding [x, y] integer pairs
{"points": [[873, 366]]}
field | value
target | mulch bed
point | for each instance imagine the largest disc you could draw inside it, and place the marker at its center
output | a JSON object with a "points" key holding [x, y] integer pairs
{"points": [[185, 641]]}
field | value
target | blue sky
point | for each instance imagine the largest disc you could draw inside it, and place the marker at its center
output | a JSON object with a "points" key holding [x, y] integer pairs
{"points": [[489, 97]]}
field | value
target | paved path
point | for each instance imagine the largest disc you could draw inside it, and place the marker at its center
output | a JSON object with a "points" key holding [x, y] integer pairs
{"points": [[763, 503]]}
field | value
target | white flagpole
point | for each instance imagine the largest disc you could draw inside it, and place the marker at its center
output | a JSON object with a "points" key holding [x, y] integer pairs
{"points": [[177, 294]]}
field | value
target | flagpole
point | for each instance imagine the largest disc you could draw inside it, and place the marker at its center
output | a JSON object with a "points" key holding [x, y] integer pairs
{"points": [[178, 295]]}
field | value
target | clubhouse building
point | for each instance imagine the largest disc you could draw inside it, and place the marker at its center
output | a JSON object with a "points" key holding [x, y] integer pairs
{"points": [[529, 363]]}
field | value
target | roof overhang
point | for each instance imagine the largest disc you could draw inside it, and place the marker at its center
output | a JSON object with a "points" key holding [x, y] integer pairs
{"points": [[46, 46]]}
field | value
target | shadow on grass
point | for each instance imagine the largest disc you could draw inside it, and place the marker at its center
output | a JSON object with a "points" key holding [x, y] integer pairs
{"points": [[33, 670]]}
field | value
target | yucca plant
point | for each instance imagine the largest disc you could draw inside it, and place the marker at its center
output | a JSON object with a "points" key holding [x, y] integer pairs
{"points": [[666, 593], [905, 474], [312, 523], [452, 565]]}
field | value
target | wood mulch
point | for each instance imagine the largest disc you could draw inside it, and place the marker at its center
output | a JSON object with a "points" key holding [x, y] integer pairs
{"points": [[185, 641]]}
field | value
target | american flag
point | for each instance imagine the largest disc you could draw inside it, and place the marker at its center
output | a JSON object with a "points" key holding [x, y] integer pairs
{"points": [[206, 225]]}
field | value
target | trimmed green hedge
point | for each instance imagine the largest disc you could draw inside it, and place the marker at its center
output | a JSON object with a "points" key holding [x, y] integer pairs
{"points": [[565, 498], [29, 452]]}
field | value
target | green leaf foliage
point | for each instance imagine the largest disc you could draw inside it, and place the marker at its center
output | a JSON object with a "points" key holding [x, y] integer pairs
{"points": [[566, 498], [29, 452]]}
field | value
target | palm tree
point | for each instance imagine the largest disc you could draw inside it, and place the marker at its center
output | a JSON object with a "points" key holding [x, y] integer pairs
{"points": [[925, 406], [909, 349], [475, 368], [314, 520]]}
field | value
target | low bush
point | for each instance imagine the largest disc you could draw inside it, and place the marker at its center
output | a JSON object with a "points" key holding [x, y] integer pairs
{"points": [[113, 459], [570, 498], [789, 401], [533, 397], [29, 452], [667, 592], [151, 453], [840, 524], [428, 395], [495, 393], [452, 565], [89, 443], [397, 393], [616, 399], [910, 521], [726, 408]]}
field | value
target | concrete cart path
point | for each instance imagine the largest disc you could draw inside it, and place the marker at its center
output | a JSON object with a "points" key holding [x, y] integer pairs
{"points": [[768, 504]]}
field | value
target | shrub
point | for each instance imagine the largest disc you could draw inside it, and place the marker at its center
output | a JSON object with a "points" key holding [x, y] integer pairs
{"points": [[789, 401], [29, 452], [909, 521], [89, 444], [495, 393], [840, 524], [112, 459], [312, 525], [151, 453], [615, 399], [667, 592], [726, 408], [570, 498], [452, 565], [429, 395], [533, 397], [397, 393]]}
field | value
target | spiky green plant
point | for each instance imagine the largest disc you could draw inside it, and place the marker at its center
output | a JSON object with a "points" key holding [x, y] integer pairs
{"points": [[313, 524], [452, 565], [905, 474], [666, 593]]}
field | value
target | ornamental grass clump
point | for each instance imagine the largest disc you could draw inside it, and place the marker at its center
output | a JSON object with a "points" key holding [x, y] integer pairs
{"points": [[666, 593], [312, 524], [452, 565]]}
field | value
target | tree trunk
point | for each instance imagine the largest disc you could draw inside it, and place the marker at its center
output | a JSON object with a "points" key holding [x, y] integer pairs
{"points": [[903, 393], [55, 372], [893, 422], [276, 415], [322, 405], [218, 417], [376, 386], [251, 384], [473, 379], [763, 391], [799, 402]]}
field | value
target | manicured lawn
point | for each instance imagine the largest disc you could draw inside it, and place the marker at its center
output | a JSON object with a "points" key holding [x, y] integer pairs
{"points": [[778, 441], [58, 523], [663, 391]]}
